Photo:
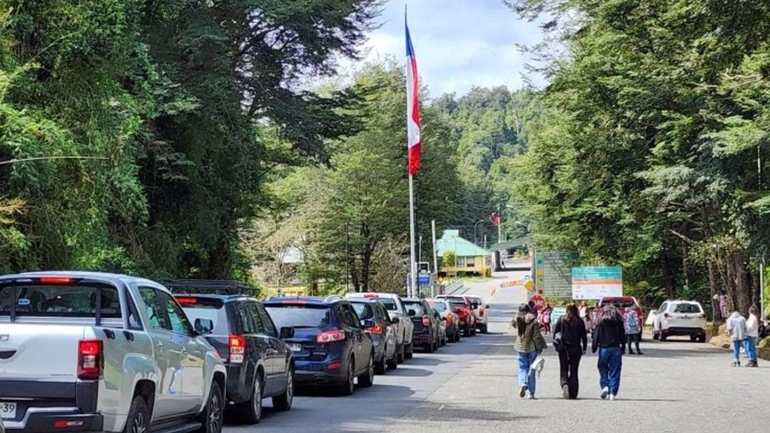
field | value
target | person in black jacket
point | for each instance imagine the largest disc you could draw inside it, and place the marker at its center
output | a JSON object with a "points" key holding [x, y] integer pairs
{"points": [[574, 340], [610, 336]]}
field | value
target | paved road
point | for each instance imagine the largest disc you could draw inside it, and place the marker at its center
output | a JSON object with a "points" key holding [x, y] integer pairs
{"points": [[471, 386]]}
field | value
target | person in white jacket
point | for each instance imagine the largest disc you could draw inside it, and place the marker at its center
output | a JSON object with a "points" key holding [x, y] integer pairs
{"points": [[752, 334], [736, 327]]}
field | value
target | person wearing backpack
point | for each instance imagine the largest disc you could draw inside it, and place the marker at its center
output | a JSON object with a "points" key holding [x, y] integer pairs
{"points": [[571, 341], [633, 330]]}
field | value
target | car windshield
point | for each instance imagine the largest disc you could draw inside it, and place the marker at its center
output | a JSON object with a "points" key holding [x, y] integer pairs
{"points": [[59, 300], [364, 311], [621, 303], [389, 304], [212, 311], [439, 306], [299, 316], [687, 308], [418, 308]]}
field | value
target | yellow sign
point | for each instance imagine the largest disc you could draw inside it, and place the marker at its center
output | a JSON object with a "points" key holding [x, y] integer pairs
{"points": [[540, 272], [529, 285]]}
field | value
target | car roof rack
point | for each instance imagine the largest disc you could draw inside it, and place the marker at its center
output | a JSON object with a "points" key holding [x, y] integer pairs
{"points": [[210, 287]]}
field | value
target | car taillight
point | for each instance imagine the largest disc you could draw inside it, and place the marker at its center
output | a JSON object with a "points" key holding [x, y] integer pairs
{"points": [[187, 301], [331, 336], [237, 349], [90, 359], [481, 311], [55, 280], [425, 320], [449, 318], [376, 329], [666, 315], [702, 315]]}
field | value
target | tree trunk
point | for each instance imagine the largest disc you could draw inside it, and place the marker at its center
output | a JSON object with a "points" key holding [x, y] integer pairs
{"points": [[742, 286], [667, 280]]}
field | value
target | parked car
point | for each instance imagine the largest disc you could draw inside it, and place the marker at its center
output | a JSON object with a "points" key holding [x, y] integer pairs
{"points": [[427, 328], [330, 346], [375, 320], [623, 302], [464, 311], [479, 313], [396, 310], [680, 318], [449, 317], [259, 365], [87, 351]]}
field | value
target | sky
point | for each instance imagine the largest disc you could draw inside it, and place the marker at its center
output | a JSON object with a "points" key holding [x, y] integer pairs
{"points": [[459, 43]]}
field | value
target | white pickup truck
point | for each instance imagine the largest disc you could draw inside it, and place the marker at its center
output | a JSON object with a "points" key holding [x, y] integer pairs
{"points": [[91, 352]]}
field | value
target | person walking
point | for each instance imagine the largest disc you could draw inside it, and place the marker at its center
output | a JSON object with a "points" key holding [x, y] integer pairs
{"points": [[583, 310], [632, 327], [752, 335], [610, 335], [529, 343], [571, 331], [723, 306], [736, 328]]}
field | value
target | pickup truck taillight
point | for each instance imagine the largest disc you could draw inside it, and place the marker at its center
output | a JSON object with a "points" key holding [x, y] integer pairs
{"points": [[481, 311], [237, 349], [330, 336], [426, 320], [90, 359]]}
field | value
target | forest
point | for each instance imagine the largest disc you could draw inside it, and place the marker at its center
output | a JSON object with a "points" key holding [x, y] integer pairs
{"points": [[179, 139]]}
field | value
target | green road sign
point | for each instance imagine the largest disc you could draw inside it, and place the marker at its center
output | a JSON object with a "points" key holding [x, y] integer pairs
{"points": [[553, 273]]}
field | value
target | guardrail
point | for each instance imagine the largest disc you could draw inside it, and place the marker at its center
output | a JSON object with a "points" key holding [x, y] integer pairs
{"points": [[454, 288]]}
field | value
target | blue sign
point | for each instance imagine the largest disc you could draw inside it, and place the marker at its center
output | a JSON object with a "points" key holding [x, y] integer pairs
{"points": [[423, 279]]}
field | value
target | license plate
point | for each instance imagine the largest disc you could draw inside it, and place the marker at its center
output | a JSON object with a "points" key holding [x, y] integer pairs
{"points": [[8, 410], [296, 347]]}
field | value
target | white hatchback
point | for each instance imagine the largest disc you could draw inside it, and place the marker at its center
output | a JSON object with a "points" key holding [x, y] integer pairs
{"points": [[680, 318]]}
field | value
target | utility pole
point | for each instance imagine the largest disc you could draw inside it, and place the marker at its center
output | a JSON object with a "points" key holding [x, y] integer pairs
{"points": [[347, 257], [435, 260]]}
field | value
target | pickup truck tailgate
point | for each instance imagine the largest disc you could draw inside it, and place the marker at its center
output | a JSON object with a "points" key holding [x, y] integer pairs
{"points": [[39, 352]]}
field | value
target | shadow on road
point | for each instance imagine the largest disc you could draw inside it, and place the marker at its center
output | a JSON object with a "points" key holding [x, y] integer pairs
{"points": [[451, 413]]}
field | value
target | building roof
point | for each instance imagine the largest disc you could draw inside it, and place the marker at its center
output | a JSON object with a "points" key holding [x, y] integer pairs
{"points": [[511, 243], [451, 241]]}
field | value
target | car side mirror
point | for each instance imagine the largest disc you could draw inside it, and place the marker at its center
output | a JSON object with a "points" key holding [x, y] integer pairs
{"points": [[486, 306], [204, 326], [443, 319], [395, 321], [287, 332], [475, 306], [411, 313]]}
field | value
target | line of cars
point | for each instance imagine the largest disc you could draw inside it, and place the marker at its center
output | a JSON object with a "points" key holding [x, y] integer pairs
{"points": [[84, 351]]}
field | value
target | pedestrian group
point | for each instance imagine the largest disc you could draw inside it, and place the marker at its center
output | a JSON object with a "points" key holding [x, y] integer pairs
{"points": [[610, 333]]}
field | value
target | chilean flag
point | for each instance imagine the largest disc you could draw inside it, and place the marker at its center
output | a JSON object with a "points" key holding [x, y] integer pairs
{"points": [[414, 140]]}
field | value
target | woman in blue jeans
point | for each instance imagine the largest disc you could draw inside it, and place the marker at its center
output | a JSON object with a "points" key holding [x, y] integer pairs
{"points": [[752, 335], [529, 343], [608, 339]]}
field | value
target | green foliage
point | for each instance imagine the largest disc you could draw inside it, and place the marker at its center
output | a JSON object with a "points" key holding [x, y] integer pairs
{"points": [[169, 109], [449, 259]]}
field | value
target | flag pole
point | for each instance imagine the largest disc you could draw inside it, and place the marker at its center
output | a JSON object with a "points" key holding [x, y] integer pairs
{"points": [[413, 275]]}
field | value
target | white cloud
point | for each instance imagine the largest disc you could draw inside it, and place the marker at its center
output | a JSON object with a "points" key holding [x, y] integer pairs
{"points": [[459, 43]]}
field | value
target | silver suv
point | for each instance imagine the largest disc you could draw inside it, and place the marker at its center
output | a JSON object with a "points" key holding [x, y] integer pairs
{"points": [[82, 351]]}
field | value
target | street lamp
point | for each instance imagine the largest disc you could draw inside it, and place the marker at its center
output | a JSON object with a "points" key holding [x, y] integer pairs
{"points": [[475, 241]]}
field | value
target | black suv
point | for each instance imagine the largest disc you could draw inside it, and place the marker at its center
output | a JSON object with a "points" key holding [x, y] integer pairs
{"points": [[427, 328], [258, 363], [330, 345]]}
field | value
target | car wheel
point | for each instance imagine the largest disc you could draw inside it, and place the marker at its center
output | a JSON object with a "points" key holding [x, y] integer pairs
{"points": [[251, 411], [367, 379], [655, 335], [381, 366], [284, 401], [349, 385], [443, 341], [484, 329], [138, 417], [400, 356], [409, 351], [702, 338], [211, 417], [393, 363], [693, 338], [467, 331], [663, 337], [429, 347]]}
